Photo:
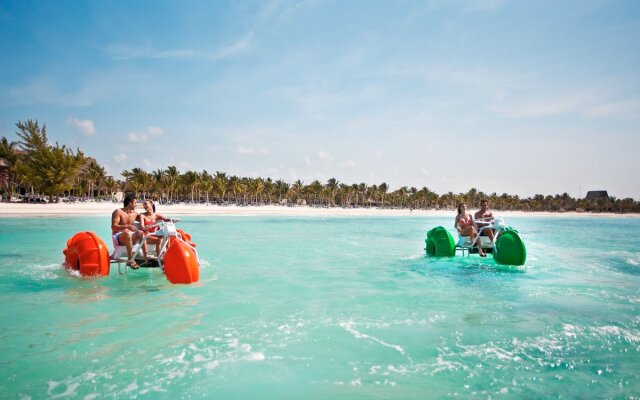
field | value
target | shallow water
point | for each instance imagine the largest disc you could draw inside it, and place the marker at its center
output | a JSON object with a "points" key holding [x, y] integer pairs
{"points": [[326, 308]]}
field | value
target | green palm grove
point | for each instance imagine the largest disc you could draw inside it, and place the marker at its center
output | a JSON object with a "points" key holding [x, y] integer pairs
{"points": [[36, 166]]}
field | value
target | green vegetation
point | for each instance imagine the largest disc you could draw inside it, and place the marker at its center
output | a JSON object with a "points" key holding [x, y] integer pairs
{"points": [[37, 167]]}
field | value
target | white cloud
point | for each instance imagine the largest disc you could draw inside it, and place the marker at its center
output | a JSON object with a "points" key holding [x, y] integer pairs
{"points": [[126, 52], [93, 87], [378, 154], [85, 126], [349, 164], [123, 52], [143, 137], [307, 161], [235, 48], [250, 151], [630, 106], [325, 156], [573, 103], [120, 158]]}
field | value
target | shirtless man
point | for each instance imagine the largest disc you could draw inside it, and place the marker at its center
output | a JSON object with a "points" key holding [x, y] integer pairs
{"points": [[123, 229], [487, 215]]}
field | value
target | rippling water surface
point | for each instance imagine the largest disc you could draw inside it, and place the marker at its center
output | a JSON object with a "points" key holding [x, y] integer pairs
{"points": [[326, 308]]}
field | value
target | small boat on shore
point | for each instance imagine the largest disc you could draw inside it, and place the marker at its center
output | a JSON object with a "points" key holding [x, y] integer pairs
{"points": [[506, 247], [178, 258]]}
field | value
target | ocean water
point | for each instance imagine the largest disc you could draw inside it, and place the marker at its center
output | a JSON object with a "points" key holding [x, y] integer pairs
{"points": [[339, 308]]}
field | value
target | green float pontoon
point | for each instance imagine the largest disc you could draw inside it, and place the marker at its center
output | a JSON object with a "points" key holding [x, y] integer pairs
{"points": [[440, 243], [507, 246]]}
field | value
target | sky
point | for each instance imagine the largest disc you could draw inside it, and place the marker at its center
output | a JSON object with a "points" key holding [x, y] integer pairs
{"points": [[522, 97]]}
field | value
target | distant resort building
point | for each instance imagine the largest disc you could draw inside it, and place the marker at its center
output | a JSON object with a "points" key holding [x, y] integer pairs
{"points": [[596, 195]]}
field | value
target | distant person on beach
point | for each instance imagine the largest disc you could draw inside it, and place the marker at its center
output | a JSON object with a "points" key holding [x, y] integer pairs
{"points": [[464, 226], [124, 231], [483, 217], [148, 220]]}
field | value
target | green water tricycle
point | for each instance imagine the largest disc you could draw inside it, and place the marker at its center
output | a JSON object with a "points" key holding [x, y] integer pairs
{"points": [[507, 246]]}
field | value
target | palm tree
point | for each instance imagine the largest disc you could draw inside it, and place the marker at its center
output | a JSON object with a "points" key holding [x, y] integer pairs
{"points": [[111, 185], [296, 189], [239, 189], [281, 187], [94, 175], [206, 184], [268, 190], [51, 169], [220, 184], [8, 150], [171, 175], [383, 188], [191, 179], [256, 188], [315, 190], [332, 188]]}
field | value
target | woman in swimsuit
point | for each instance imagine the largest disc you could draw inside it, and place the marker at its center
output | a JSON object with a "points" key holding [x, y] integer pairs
{"points": [[464, 225], [148, 220]]}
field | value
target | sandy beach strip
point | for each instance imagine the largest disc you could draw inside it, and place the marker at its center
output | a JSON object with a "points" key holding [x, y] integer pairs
{"points": [[178, 210]]}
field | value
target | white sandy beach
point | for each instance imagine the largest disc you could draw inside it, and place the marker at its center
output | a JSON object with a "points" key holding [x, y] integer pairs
{"points": [[106, 208]]}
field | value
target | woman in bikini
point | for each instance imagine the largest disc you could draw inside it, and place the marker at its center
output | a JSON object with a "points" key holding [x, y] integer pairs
{"points": [[464, 225], [148, 220]]}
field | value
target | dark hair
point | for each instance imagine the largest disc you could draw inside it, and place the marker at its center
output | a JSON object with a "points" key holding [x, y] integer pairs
{"points": [[460, 205], [128, 199], [484, 201]]}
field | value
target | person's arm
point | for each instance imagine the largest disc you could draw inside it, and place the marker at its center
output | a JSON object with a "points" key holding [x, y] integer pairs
{"points": [[161, 218], [456, 224], [475, 224], [143, 222]]}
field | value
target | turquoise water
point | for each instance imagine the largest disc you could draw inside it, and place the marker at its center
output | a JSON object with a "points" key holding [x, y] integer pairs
{"points": [[326, 308]]}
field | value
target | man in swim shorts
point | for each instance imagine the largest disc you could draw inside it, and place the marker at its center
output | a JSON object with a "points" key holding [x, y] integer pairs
{"points": [[123, 229], [482, 218]]}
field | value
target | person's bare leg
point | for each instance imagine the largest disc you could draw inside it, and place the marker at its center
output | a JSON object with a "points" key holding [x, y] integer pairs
{"points": [[138, 237], [478, 242], [125, 239], [154, 241]]}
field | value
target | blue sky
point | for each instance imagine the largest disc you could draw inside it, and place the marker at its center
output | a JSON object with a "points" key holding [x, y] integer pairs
{"points": [[522, 97]]}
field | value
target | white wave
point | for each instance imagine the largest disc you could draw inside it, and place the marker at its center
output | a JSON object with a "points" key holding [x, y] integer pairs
{"points": [[348, 326], [402, 370], [630, 336], [444, 365], [489, 350]]}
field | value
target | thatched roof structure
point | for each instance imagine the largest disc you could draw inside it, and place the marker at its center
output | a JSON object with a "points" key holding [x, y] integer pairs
{"points": [[596, 195]]}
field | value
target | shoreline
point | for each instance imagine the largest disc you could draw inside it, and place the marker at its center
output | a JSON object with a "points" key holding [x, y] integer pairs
{"points": [[177, 210]]}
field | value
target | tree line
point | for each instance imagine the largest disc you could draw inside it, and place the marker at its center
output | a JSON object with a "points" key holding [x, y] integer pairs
{"points": [[36, 166]]}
